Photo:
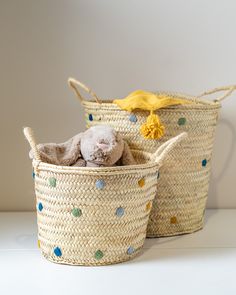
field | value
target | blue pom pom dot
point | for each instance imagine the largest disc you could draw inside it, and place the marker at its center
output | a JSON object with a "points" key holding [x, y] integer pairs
{"points": [[57, 252], [133, 118], [40, 206], [130, 250], [120, 211], [90, 117], [100, 184]]}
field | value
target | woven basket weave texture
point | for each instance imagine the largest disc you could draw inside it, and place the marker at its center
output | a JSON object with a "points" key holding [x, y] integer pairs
{"points": [[95, 216], [183, 183]]}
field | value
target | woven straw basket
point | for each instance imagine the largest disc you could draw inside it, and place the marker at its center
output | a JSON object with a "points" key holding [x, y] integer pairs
{"points": [[95, 216], [182, 190]]}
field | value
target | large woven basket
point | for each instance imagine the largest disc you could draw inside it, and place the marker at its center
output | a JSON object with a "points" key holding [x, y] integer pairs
{"points": [[182, 190], [95, 216]]}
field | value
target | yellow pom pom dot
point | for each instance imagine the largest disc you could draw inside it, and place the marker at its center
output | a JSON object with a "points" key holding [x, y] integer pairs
{"points": [[173, 220], [38, 243], [148, 206], [52, 181], [141, 182]]}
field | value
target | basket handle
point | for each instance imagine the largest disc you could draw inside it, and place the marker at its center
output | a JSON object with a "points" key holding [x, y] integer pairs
{"points": [[228, 91], [166, 147], [29, 135], [74, 84]]}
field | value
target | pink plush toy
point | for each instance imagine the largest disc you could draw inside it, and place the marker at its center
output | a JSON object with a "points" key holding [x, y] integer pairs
{"points": [[98, 146]]}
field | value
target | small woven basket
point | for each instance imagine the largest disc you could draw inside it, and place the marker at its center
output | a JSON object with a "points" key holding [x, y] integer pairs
{"points": [[95, 216], [182, 190]]}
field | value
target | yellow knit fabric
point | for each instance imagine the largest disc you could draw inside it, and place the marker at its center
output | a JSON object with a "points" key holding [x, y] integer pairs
{"points": [[143, 100]]}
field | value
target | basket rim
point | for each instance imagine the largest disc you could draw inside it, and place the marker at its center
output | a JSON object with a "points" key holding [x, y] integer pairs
{"points": [[114, 170], [199, 102]]}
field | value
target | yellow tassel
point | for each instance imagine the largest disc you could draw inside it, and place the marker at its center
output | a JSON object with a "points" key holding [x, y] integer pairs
{"points": [[148, 101], [152, 129]]}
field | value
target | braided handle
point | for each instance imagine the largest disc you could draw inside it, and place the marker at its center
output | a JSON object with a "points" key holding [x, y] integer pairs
{"points": [[29, 135], [73, 83], [166, 147], [228, 91]]}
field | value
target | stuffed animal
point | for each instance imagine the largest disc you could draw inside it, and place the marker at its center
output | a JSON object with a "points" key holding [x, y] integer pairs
{"points": [[98, 146]]}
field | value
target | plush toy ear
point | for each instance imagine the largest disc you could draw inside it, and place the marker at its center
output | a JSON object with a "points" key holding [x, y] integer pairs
{"points": [[127, 157], [65, 154]]}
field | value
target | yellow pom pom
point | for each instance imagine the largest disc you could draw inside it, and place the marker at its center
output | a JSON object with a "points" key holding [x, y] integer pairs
{"points": [[152, 129]]}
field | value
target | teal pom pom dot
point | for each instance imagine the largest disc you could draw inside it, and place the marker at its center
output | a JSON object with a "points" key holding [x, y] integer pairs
{"points": [[52, 181], [40, 207], [130, 250], [33, 174], [133, 118], [120, 212], [57, 252], [204, 162], [100, 184]]}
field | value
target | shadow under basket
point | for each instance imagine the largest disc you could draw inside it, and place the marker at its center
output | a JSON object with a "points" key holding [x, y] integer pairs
{"points": [[183, 183], [95, 216]]}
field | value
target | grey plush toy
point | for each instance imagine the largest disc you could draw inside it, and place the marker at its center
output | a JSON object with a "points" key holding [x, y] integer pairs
{"points": [[98, 146]]}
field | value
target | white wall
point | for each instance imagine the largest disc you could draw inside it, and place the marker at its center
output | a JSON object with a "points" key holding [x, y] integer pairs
{"points": [[115, 47]]}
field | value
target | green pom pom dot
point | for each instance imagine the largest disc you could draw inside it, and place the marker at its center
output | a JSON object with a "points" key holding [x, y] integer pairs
{"points": [[52, 181], [98, 254], [76, 212], [181, 121]]}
